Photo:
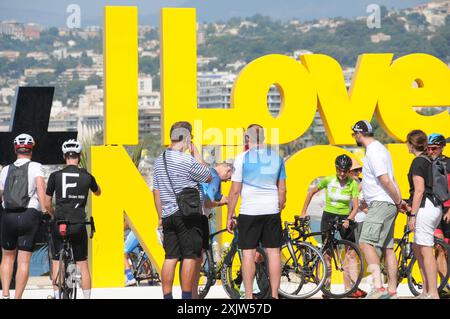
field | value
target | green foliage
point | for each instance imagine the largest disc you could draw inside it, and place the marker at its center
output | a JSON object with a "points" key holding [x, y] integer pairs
{"points": [[149, 65], [95, 80]]}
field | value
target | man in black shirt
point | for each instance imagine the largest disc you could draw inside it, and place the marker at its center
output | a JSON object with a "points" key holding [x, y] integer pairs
{"points": [[71, 187]]}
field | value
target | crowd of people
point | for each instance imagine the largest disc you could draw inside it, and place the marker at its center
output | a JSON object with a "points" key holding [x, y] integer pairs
{"points": [[186, 189], [26, 200], [259, 179]]}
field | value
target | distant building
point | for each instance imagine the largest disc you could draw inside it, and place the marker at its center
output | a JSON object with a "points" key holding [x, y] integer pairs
{"points": [[149, 114], [10, 55], [6, 94], [35, 71], [214, 89], [32, 31], [12, 28], [90, 111], [204, 61], [38, 56], [62, 119], [145, 85], [201, 34], [380, 37]]}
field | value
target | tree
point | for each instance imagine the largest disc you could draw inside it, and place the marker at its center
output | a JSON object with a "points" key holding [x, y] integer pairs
{"points": [[95, 80], [85, 60]]}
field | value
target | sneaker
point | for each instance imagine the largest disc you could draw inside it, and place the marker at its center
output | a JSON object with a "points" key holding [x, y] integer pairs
{"points": [[359, 293], [429, 297], [130, 282], [392, 296], [378, 294]]}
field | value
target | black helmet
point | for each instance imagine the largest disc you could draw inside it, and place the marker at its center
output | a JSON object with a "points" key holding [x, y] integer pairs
{"points": [[343, 162]]}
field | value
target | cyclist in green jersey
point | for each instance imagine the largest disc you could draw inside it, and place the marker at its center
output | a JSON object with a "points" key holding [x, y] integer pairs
{"points": [[341, 201]]}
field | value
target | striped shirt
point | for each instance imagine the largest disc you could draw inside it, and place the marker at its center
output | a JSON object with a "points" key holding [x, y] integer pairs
{"points": [[184, 172]]}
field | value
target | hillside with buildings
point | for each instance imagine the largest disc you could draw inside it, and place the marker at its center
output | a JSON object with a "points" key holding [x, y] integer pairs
{"points": [[72, 61]]}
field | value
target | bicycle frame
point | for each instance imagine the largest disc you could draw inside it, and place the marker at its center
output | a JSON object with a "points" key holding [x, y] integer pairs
{"points": [[67, 252], [329, 244]]}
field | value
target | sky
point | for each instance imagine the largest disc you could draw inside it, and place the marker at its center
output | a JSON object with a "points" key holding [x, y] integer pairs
{"points": [[53, 12]]}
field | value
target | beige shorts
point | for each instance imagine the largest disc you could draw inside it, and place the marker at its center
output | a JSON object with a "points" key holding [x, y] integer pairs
{"points": [[378, 227]]}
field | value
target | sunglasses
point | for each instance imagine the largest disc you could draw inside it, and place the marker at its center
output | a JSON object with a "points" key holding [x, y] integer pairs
{"points": [[433, 148]]}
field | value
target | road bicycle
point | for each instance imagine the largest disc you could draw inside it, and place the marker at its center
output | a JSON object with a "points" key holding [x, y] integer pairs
{"points": [[344, 259], [69, 276], [228, 270], [142, 268], [408, 267], [303, 266]]}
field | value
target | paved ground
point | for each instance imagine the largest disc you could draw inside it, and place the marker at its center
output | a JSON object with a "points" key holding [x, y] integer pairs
{"points": [[40, 288]]}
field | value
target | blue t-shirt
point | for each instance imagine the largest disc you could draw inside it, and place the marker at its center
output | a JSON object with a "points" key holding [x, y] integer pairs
{"points": [[213, 190], [259, 170]]}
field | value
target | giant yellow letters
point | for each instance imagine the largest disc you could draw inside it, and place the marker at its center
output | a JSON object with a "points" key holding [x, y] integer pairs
{"points": [[380, 86]]}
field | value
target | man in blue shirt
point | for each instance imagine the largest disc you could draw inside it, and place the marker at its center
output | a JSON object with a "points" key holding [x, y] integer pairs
{"points": [[213, 190], [259, 178]]}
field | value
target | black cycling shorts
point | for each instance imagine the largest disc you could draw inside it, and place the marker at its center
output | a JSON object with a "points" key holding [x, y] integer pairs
{"points": [[264, 229], [205, 230], [18, 230], [78, 238], [183, 236], [327, 218]]}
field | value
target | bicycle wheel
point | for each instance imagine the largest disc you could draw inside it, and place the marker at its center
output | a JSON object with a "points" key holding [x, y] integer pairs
{"points": [[50, 259], [207, 275], [137, 268], [415, 281], [303, 276], [231, 275], [345, 269], [62, 288]]}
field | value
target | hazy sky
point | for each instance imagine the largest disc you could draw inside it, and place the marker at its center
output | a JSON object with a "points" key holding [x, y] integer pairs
{"points": [[53, 12]]}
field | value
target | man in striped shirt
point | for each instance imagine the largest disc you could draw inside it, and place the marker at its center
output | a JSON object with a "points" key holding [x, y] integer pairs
{"points": [[182, 236]]}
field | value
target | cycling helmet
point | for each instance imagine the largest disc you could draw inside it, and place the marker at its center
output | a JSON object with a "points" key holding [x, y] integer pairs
{"points": [[355, 165], [24, 141], [343, 162], [71, 146], [436, 139]]}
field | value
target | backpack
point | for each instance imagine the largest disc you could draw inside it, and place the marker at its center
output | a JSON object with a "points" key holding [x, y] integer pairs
{"points": [[440, 183], [15, 194]]}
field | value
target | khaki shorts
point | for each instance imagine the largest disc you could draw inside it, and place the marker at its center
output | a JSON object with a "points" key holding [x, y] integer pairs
{"points": [[378, 227]]}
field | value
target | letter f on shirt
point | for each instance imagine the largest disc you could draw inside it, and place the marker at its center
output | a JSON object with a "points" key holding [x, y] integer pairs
{"points": [[66, 185]]}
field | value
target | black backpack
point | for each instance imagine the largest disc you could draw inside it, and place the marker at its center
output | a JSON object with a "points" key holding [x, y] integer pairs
{"points": [[15, 194], [440, 182]]}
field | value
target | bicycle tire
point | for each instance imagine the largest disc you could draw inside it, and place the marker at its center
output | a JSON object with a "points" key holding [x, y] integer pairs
{"points": [[414, 285], [232, 283], [62, 276], [135, 270], [312, 261], [50, 258], [208, 270], [356, 282]]}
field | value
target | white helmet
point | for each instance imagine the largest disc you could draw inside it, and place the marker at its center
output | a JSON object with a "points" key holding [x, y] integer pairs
{"points": [[24, 141], [71, 146]]}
